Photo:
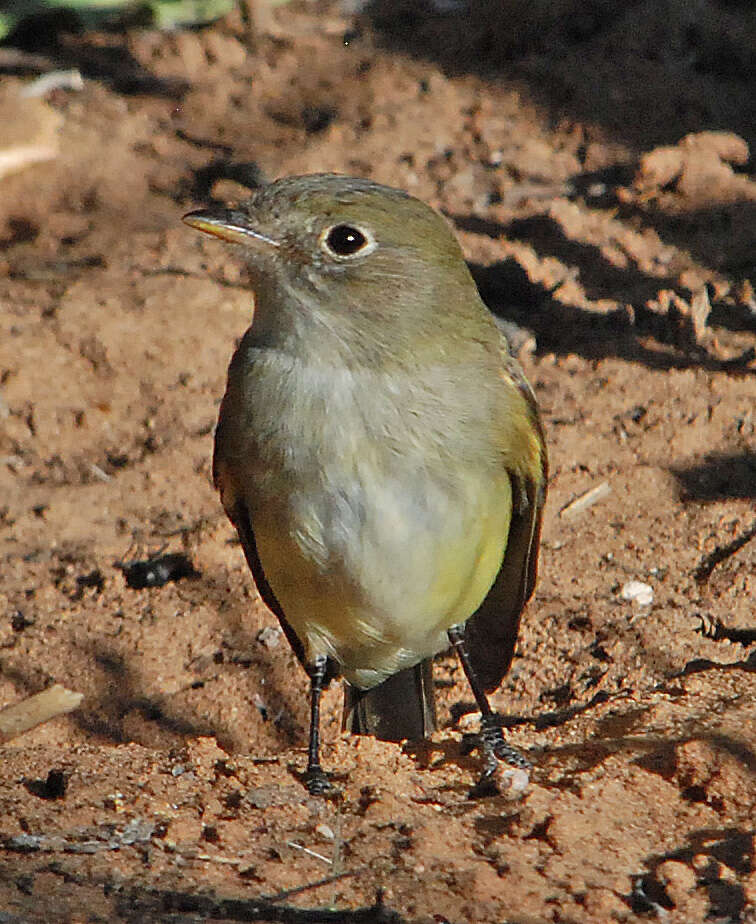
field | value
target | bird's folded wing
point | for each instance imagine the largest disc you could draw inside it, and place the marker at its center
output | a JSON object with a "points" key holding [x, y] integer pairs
{"points": [[237, 512], [491, 633]]}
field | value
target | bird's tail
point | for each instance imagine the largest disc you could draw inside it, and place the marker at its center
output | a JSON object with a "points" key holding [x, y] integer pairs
{"points": [[403, 706]]}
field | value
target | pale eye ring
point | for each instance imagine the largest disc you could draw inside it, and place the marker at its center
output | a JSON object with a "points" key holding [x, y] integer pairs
{"points": [[345, 240]]}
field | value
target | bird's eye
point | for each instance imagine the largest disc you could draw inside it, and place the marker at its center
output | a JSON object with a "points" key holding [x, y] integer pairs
{"points": [[345, 240]]}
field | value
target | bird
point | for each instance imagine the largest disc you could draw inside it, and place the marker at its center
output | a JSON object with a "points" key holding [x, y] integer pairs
{"points": [[379, 452]]}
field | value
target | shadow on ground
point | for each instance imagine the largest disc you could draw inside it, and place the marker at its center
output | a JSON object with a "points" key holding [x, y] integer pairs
{"points": [[596, 60]]}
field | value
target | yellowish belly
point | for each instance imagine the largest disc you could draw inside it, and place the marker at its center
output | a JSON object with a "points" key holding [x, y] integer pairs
{"points": [[375, 574]]}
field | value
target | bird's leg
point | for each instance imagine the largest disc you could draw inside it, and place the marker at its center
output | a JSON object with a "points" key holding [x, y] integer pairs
{"points": [[315, 779], [491, 736]]}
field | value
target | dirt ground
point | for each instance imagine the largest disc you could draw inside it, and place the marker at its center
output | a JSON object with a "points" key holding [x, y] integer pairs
{"points": [[594, 158]]}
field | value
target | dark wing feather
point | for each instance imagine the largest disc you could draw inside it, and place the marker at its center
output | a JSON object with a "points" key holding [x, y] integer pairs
{"points": [[239, 516], [491, 632]]}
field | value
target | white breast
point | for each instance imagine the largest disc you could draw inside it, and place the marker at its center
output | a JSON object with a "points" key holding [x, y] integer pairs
{"points": [[372, 546]]}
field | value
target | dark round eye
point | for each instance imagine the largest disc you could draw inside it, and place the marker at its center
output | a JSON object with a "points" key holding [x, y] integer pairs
{"points": [[345, 240]]}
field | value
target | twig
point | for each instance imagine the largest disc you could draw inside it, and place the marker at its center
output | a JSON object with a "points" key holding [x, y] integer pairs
{"points": [[586, 500], [21, 155], [99, 473], [310, 853], [57, 80], [23, 716], [228, 861]]}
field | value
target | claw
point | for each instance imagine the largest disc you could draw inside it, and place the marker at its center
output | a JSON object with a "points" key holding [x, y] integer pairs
{"points": [[510, 755], [492, 739], [318, 784]]}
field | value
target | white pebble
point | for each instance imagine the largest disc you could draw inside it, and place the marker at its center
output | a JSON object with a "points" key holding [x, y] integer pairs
{"points": [[269, 636], [515, 781], [638, 592]]}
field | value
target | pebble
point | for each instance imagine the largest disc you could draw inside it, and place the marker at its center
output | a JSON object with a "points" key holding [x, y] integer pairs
{"points": [[515, 781], [637, 592]]}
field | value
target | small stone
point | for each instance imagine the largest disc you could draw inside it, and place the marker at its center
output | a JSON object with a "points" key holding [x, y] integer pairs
{"points": [[514, 781], [678, 879], [604, 905], [269, 636], [325, 832], [701, 863], [637, 592]]}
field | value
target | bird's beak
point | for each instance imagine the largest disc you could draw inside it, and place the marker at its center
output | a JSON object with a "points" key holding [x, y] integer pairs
{"points": [[228, 225]]}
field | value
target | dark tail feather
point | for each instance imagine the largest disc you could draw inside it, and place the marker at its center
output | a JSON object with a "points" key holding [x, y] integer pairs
{"points": [[401, 707]]}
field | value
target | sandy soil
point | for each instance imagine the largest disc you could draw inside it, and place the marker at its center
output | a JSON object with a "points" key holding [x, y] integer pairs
{"points": [[594, 158]]}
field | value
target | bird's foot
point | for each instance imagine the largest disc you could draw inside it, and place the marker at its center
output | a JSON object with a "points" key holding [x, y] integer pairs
{"points": [[496, 748], [494, 781], [318, 784], [495, 752]]}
